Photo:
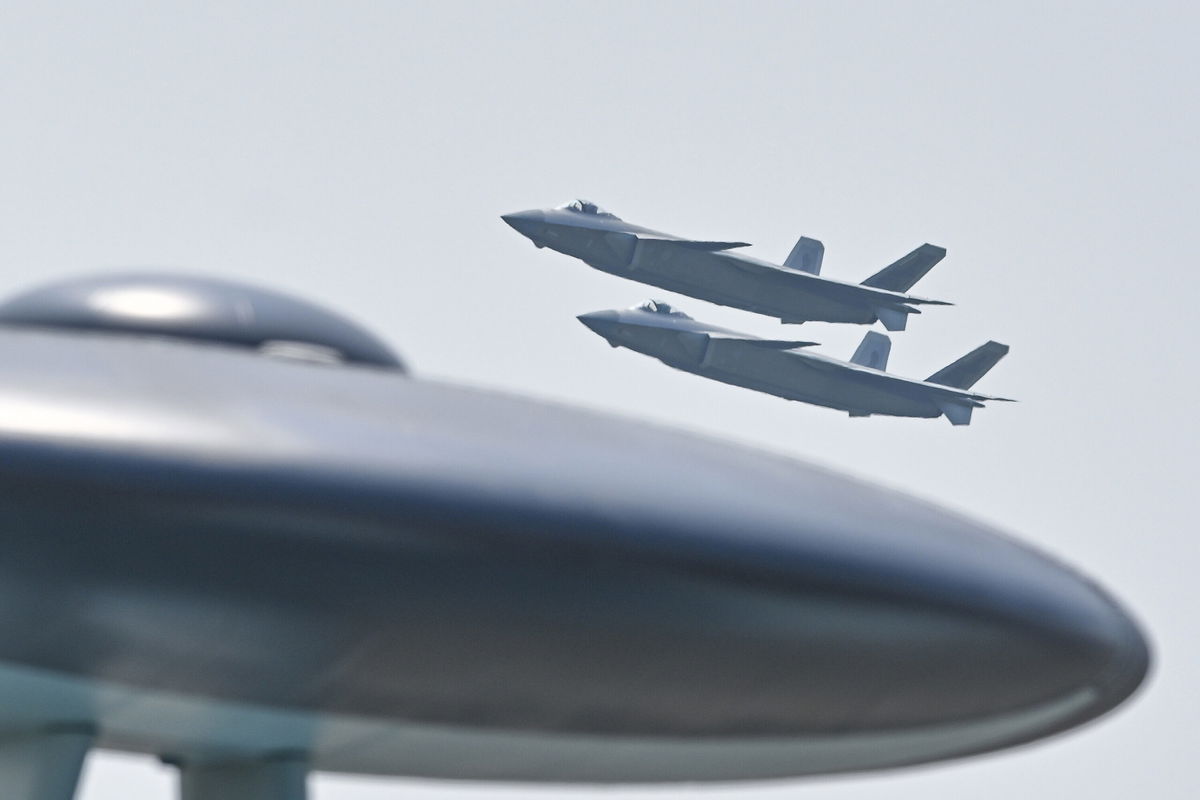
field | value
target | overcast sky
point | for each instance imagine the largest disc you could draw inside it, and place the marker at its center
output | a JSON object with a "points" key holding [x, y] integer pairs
{"points": [[361, 154]]}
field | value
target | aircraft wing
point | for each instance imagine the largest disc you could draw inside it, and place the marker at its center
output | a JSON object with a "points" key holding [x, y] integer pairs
{"points": [[828, 286], [773, 344], [694, 244], [973, 399]]}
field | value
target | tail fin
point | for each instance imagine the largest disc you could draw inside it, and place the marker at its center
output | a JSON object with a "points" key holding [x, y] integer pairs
{"points": [[873, 351], [896, 317], [902, 274], [964, 372], [958, 413], [806, 256]]}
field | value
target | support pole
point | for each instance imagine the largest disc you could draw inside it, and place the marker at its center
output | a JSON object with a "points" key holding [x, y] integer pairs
{"points": [[283, 777], [43, 765]]}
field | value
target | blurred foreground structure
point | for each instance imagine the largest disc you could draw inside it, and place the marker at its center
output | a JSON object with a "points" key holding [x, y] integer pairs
{"points": [[238, 535]]}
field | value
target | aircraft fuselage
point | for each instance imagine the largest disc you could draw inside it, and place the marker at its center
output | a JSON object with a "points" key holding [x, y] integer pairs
{"points": [[792, 374], [717, 276]]}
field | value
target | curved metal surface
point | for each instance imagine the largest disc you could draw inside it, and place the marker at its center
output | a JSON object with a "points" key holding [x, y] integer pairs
{"points": [[196, 308], [426, 579]]}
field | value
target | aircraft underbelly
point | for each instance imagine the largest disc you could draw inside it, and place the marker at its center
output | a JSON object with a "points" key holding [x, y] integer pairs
{"points": [[793, 377], [717, 278]]}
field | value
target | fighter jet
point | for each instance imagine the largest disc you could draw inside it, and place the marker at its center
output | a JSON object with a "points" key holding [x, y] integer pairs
{"points": [[779, 367], [794, 292]]}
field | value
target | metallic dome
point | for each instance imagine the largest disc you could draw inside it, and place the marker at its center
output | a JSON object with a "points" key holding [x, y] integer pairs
{"points": [[199, 309]]}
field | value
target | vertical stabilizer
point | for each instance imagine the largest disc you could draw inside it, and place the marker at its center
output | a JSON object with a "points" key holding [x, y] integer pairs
{"points": [[895, 318], [806, 256], [900, 275], [964, 372], [873, 351], [958, 413]]}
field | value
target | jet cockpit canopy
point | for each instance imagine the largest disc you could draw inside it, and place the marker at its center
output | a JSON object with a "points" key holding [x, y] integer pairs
{"points": [[659, 307], [587, 207]]}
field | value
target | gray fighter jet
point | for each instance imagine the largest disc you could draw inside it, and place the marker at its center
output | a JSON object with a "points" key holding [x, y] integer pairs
{"points": [[775, 366], [794, 291]]}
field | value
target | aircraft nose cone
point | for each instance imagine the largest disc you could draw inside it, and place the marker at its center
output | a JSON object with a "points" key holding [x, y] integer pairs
{"points": [[527, 223], [601, 322]]}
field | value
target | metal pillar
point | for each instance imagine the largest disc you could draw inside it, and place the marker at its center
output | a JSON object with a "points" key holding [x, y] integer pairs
{"points": [[45, 764], [283, 777]]}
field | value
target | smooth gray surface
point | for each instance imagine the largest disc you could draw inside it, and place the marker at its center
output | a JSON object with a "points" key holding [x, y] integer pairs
{"points": [[196, 308], [344, 153], [275, 779], [43, 764]]}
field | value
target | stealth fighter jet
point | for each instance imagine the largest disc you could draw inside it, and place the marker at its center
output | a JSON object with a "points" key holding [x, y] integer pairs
{"points": [[794, 291], [860, 386]]}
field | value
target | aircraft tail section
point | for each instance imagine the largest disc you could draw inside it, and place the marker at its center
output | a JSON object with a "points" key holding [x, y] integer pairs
{"points": [[895, 318], [964, 372], [873, 351], [806, 256], [901, 275], [959, 413]]}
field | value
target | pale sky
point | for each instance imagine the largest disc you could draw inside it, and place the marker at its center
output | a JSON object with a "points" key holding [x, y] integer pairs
{"points": [[360, 154]]}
